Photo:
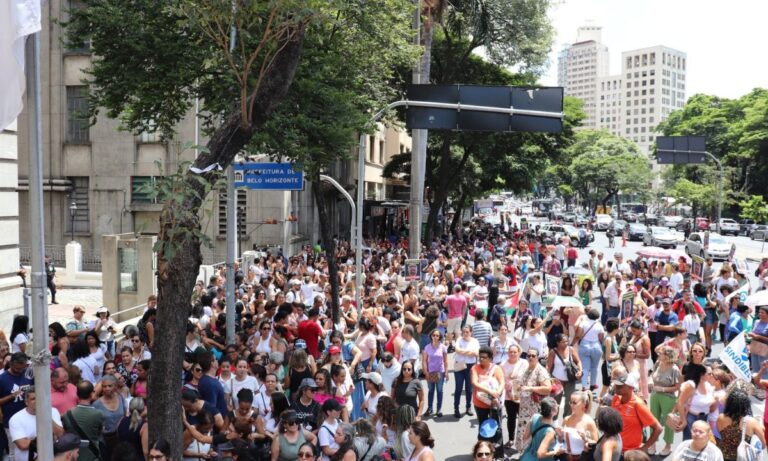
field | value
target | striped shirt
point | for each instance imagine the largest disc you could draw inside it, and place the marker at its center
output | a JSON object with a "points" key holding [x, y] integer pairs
{"points": [[481, 331]]}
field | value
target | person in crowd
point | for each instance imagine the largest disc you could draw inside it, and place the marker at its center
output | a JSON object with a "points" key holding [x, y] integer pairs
{"points": [[331, 413], [291, 436], [611, 425], [563, 364], [22, 426], [580, 423], [589, 335], [160, 450], [700, 446], [368, 445], [435, 366], [405, 415], [500, 344], [635, 415], [736, 424], [389, 370], [19, 334], [487, 386], [467, 350], [409, 390], [534, 384], [483, 450], [543, 444], [642, 343], [667, 379], [697, 396], [422, 441], [611, 356], [514, 368]]}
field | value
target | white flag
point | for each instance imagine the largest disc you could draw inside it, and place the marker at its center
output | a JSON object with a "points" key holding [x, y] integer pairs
{"points": [[736, 357], [18, 18], [742, 293]]}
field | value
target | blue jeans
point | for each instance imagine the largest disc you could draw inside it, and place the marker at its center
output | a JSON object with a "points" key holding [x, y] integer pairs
{"points": [[609, 313], [463, 380], [590, 353], [438, 386], [756, 361], [535, 308]]}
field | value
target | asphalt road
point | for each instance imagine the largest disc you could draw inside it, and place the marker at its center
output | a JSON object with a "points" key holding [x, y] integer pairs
{"points": [[455, 438]]}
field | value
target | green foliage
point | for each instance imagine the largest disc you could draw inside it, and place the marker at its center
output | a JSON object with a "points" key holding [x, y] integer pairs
{"points": [[755, 208], [737, 134], [602, 164], [345, 75], [697, 196]]}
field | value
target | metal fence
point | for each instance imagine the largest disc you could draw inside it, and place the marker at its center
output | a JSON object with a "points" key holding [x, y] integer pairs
{"points": [[91, 258]]}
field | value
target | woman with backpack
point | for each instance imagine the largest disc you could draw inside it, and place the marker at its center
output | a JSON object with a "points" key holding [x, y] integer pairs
{"points": [[563, 364], [543, 445]]}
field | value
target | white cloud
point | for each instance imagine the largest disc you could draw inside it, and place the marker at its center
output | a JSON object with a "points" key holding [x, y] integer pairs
{"points": [[724, 41]]}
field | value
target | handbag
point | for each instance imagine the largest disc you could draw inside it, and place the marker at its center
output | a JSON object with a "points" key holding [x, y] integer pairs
{"points": [[433, 377], [673, 422], [571, 370], [745, 450]]}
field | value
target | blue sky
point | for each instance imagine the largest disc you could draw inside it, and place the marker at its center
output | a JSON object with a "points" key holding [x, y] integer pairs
{"points": [[725, 41]]}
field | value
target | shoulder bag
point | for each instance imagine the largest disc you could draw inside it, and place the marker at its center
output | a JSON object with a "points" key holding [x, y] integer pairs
{"points": [[571, 370]]}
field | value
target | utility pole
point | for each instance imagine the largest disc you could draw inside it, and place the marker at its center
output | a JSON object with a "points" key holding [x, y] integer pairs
{"points": [[231, 223], [418, 156], [41, 358]]}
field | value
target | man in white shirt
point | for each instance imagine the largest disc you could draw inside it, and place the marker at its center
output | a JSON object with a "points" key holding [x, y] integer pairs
{"points": [[389, 371], [23, 426], [621, 266], [676, 281], [560, 252], [612, 298]]}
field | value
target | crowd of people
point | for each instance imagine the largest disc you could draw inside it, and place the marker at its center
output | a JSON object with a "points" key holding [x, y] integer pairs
{"points": [[595, 378]]}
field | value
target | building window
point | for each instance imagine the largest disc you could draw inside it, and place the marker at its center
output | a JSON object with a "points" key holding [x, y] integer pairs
{"points": [[372, 146], [77, 115], [141, 189], [240, 206], [83, 47], [79, 196], [381, 152]]}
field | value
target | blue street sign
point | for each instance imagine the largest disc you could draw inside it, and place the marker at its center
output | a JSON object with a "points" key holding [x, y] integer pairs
{"points": [[269, 176]]}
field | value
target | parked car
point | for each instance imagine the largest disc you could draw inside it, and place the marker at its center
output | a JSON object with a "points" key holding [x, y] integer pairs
{"points": [[573, 232], [660, 236], [619, 226], [581, 220], [569, 217], [746, 226], [603, 222], [630, 216], [671, 221], [727, 226], [718, 248], [760, 232], [650, 219], [702, 224], [635, 232]]}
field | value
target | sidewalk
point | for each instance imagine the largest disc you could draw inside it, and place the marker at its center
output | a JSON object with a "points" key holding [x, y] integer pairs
{"points": [[68, 298]]}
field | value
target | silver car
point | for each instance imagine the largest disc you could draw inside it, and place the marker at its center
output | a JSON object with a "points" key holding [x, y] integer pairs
{"points": [[718, 247], [660, 236]]}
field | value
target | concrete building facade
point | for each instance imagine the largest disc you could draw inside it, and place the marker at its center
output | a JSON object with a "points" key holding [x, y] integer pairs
{"points": [[95, 176], [11, 300], [580, 67]]}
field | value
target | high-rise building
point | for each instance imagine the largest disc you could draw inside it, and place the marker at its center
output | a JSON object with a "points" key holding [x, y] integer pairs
{"points": [[580, 65], [609, 113], [653, 86]]}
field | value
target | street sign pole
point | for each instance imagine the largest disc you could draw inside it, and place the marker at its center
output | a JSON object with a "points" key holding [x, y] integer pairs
{"points": [[418, 158], [231, 227]]}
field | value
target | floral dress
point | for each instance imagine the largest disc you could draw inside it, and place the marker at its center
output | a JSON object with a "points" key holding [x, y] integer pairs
{"points": [[536, 377]]}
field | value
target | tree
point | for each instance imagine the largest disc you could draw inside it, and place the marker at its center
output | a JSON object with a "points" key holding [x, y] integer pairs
{"points": [[755, 209], [604, 164], [155, 58]]}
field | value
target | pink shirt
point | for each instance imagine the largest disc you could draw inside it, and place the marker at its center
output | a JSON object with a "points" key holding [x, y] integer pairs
{"points": [[64, 401], [456, 304]]}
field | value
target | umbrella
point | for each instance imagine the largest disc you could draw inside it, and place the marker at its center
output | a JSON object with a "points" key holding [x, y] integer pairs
{"points": [[677, 254], [759, 298], [573, 270], [566, 301], [653, 253]]}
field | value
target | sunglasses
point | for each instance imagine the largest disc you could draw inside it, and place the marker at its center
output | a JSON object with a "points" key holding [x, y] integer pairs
{"points": [[483, 454], [197, 370], [407, 369]]}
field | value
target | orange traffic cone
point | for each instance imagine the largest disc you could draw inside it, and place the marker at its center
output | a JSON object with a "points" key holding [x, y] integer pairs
{"points": [[623, 239]]}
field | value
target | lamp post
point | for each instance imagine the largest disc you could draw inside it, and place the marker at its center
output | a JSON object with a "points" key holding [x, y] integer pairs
{"points": [[72, 211]]}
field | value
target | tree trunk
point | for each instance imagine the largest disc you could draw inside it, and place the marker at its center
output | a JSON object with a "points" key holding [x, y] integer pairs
{"points": [[177, 272], [321, 195]]}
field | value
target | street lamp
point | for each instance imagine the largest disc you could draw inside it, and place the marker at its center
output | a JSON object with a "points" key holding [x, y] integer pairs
{"points": [[72, 211]]}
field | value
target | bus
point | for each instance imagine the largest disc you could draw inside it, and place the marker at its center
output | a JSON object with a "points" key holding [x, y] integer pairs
{"points": [[542, 206]]}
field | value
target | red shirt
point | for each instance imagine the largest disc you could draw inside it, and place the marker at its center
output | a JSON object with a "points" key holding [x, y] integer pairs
{"points": [[572, 253], [677, 308], [636, 416], [310, 332]]}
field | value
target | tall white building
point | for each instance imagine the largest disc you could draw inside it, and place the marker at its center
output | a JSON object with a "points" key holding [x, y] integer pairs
{"points": [[609, 107], [580, 65], [654, 86]]}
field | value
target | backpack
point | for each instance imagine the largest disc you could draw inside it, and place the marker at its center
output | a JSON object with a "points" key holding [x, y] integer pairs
{"points": [[496, 315]]}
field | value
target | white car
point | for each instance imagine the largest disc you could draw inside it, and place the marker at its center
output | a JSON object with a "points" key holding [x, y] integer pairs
{"points": [[718, 247], [660, 236], [671, 221], [727, 226], [603, 221]]}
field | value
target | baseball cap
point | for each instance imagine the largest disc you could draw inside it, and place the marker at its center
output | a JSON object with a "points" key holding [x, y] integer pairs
{"points": [[307, 382], [664, 281], [66, 442], [331, 405], [300, 344], [334, 350], [666, 301], [373, 377], [638, 281], [102, 310]]}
